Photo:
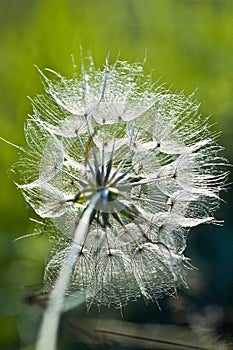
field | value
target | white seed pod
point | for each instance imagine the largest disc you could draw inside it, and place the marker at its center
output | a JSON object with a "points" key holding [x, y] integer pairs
{"points": [[125, 169]]}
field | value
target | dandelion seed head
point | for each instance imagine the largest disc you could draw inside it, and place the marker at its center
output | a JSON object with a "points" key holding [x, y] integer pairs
{"points": [[140, 159]]}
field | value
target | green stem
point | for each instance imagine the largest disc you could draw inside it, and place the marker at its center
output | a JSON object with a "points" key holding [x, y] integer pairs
{"points": [[47, 339]]}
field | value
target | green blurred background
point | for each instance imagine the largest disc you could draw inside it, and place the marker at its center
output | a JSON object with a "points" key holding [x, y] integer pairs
{"points": [[189, 46]]}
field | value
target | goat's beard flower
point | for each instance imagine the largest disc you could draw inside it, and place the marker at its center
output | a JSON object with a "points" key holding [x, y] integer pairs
{"points": [[140, 160]]}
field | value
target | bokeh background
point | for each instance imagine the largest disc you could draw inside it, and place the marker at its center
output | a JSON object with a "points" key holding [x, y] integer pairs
{"points": [[189, 46]]}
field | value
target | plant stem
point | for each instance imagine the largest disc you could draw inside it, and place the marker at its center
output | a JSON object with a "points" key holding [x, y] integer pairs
{"points": [[47, 338]]}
